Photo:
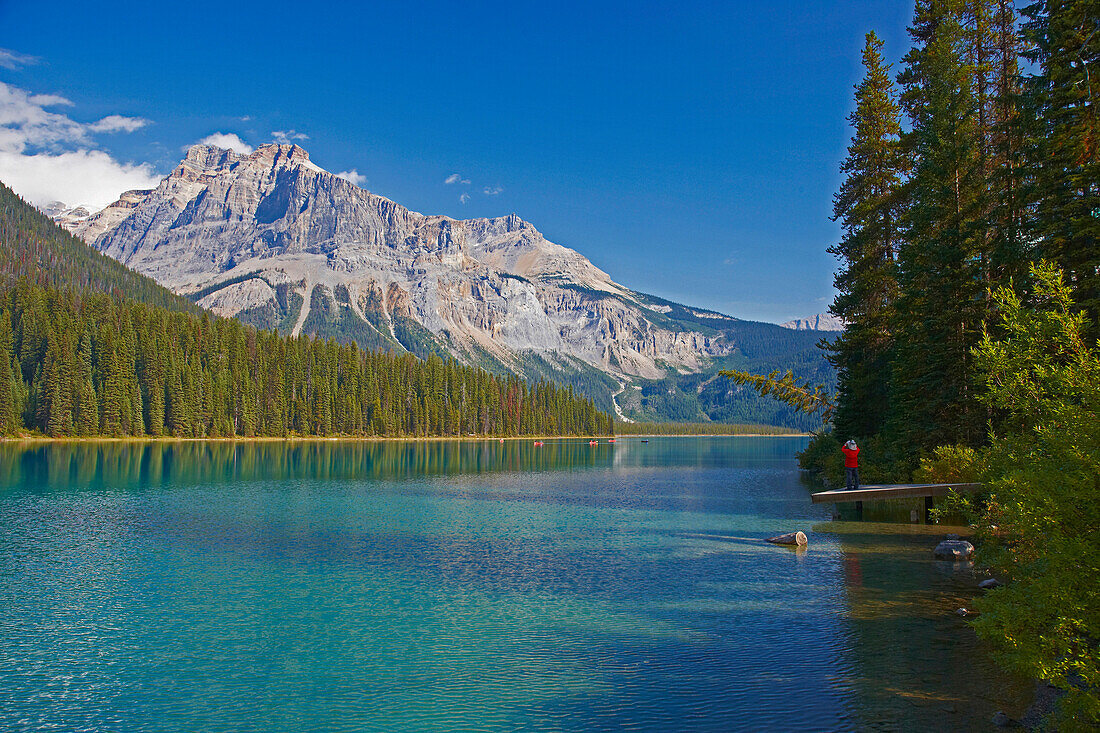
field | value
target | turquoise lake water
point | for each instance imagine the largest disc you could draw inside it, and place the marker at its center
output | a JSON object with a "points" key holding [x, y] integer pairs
{"points": [[468, 586]]}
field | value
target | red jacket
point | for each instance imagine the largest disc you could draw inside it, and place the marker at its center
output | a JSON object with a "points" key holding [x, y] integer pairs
{"points": [[850, 457]]}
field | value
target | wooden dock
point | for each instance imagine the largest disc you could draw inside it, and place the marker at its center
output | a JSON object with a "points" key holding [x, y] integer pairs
{"points": [[885, 492], [880, 492]]}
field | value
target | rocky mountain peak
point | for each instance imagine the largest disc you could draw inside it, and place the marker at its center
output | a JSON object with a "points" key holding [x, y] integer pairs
{"points": [[273, 239], [817, 322], [208, 158], [205, 158], [65, 215], [274, 155]]}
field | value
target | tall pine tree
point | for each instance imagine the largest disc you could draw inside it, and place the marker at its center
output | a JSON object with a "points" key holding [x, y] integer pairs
{"points": [[1063, 149], [941, 264], [866, 282]]}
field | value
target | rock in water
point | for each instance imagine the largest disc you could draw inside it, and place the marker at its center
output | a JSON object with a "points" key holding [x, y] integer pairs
{"points": [[988, 584], [953, 550], [791, 538]]}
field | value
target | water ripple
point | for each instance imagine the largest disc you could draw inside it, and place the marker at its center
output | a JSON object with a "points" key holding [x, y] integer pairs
{"points": [[633, 594]]}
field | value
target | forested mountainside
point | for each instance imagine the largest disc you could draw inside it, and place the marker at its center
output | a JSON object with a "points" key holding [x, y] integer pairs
{"points": [[706, 396], [34, 247], [78, 362], [274, 240]]}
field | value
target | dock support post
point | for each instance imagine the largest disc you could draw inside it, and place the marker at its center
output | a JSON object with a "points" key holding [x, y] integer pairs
{"points": [[928, 510], [859, 511]]}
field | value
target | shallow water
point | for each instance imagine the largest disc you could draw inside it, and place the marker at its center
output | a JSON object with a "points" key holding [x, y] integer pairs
{"points": [[467, 586]]}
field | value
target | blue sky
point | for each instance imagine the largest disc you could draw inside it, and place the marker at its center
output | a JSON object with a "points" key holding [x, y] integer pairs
{"points": [[690, 151]]}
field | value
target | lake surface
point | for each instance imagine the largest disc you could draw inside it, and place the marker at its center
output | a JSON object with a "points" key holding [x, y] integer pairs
{"points": [[468, 586]]}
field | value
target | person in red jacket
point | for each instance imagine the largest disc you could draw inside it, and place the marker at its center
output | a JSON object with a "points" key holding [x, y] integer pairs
{"points": [[851, 464]]}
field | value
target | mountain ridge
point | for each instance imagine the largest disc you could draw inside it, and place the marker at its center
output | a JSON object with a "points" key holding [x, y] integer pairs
{"points": [[278, 242], [816, 322]]}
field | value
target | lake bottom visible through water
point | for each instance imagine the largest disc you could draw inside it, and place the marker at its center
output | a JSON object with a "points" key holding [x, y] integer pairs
{"points": [[469, 585]]}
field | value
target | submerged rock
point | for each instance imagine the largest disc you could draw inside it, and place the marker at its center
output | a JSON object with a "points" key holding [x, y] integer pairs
{"points": [[1001, 720], [791, 538], [953, 550]]}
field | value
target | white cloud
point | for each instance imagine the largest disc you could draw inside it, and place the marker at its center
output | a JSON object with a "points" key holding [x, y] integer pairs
{"points": [[453, 178], [50, 100], [287, 137], [354, 176], [89, 178], [463, 198], [46, 156], [227, 141], [118, 123], [492, 190], [24, 123], [13, 59]]}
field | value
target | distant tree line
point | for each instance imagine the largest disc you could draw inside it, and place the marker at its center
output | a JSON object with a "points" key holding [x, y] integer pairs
{"points": [[697, 428], [88, 364]]}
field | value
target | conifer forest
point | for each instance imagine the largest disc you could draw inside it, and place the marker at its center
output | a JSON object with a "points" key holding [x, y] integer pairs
{"points": [[979, 161], [969, 280]]}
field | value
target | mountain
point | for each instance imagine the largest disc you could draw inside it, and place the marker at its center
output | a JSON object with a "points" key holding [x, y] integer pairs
{"points": [[91, 348], [819, 322], [277, 242], [65, 215]]}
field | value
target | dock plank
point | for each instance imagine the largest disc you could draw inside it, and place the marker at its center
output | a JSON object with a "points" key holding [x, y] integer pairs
{"points": [[880, 492]]}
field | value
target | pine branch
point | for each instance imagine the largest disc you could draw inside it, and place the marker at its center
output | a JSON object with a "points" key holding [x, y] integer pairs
{"points": [[804, 397]]}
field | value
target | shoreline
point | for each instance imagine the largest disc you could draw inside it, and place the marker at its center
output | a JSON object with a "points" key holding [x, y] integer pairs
{"points": [[44, 439], [713, 435]]}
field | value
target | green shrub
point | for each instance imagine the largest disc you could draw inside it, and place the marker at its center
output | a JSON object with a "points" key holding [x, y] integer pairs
{"points": [[879, 460], [950, 464], [823, 458], [1042, 522]]}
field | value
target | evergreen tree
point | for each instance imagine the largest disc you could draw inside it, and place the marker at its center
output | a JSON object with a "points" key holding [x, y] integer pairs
{"points": [[86, 412], [867, 204], [1010, 253], [1062, 146], [10, 409], [942, 285]]}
